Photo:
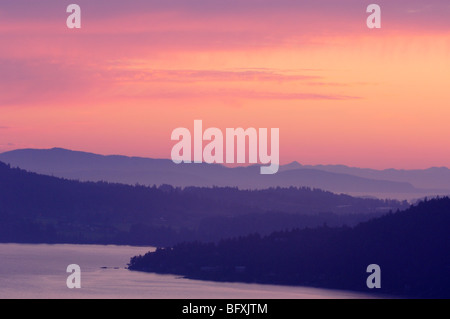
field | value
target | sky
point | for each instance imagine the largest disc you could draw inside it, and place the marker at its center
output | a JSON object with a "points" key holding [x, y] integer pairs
{"points": [[339, 92]]}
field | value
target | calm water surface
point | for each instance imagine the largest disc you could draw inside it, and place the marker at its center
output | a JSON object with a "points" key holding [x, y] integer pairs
{"points": [[39, 271]]}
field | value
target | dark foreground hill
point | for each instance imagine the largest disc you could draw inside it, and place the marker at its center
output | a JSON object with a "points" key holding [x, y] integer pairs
{"points": [[43, 209], [411, 247]]}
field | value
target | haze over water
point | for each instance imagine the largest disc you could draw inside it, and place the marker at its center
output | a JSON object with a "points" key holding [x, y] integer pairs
{"points": [[39, 271]]}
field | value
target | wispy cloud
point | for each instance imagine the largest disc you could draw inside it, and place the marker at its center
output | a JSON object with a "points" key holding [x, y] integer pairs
{"points": [[49, 81], [240, 84], [217, 94], [142, 72], [297, 96]]}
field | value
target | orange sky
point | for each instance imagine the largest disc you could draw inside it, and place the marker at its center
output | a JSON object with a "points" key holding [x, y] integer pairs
{"points": [[339, 92]]}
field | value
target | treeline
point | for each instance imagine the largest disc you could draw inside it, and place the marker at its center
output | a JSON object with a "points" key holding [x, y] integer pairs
{"points": [[38, 208], [411, 247]]}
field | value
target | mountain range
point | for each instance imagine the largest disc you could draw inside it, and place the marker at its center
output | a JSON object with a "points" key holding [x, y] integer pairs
{"points": [[83, 166], [36, 208]]}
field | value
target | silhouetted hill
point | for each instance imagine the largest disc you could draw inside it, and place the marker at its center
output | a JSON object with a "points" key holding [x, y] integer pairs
{"points": [[411, 247], [40, 208], [131, 170]]}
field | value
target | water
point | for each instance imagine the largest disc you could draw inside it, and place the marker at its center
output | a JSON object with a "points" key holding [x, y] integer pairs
{"points": [[39, 271]]}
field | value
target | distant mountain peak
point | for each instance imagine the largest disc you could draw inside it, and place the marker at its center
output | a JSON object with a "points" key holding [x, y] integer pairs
{"points": [[291, 165], [60, 149]]}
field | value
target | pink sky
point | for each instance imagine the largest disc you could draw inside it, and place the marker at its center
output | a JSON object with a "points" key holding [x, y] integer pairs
{"points": [[339, 92]]}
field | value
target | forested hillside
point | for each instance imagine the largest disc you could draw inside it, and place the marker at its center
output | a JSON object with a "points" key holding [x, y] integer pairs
{"points": [[40, 208], [411, 247]]}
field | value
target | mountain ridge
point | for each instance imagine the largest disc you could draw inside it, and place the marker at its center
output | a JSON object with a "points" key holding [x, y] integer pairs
{"points": [[87, 166], [37, 208]]}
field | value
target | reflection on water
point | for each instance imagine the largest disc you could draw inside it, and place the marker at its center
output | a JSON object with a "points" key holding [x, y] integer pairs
{"points": [[39, 271]]}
